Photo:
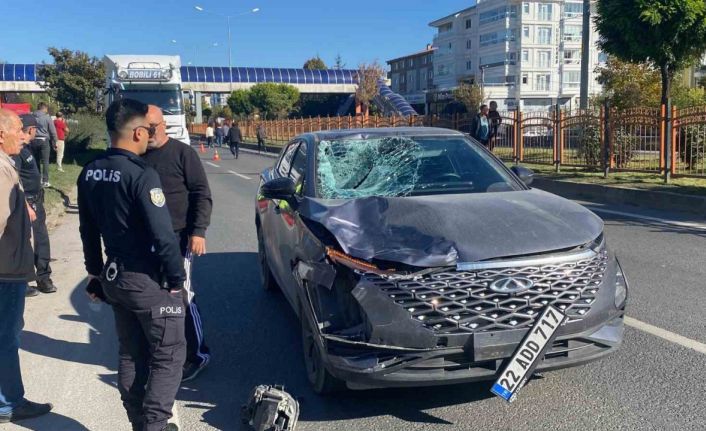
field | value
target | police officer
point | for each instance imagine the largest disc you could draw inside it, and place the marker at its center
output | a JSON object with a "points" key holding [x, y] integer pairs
{"points": [[120, 200], [189, 201], [34, 194]]}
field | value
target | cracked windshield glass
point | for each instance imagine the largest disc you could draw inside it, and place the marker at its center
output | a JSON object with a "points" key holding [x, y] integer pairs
{"points": [[403, 166]]}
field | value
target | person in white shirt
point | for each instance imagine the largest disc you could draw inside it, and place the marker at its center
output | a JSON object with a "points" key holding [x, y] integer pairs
{"points": [[209, 135]]}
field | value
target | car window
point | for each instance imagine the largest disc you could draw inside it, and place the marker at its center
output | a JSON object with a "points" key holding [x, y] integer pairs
{"points": [[286, 161], [299, 164]]}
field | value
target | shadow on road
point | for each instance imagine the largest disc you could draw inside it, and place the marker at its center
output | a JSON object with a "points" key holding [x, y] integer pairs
{"points": [[654, 226], [52, 421], [254, 338], [101, 348]]}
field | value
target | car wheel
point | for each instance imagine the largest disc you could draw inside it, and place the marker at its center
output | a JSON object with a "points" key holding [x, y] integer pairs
{"points": [[320, 379], [267, 280]]}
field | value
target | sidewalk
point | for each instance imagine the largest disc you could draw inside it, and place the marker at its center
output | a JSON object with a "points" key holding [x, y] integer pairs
{"points": [[68, 351]]}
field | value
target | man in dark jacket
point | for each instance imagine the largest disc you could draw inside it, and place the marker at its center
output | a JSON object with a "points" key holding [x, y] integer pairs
{"points": [[234, 138], [34, 194], [45, 139], [189, 202], [16, 269], [495, 120], [261, 137]]}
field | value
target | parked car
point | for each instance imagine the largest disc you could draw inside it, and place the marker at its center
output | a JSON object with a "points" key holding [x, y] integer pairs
{"points": [[414, 257]]}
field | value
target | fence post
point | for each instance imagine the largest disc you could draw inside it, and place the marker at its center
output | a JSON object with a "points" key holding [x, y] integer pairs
{"points": [[558, 115], [675, 124], [607, 139], [519, 144], [668, 159]]}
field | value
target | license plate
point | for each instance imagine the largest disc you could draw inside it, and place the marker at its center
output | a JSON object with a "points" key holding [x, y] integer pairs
{"points": [[528, 354]]}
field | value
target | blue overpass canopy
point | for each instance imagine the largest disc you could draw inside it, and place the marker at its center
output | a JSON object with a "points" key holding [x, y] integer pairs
{"points": [[19, 72], [266, 74], [28, 72]]}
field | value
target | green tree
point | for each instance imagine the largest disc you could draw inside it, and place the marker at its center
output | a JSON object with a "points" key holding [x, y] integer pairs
{"points": [[74, 79], [339, 64], [635, 85], [240, 104], [274, 101], [630, 85], [470, 95], [206, 112], [669, 34], [315, 63], [368, 76]]}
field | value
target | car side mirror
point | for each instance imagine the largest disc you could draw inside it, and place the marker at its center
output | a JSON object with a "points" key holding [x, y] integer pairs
{"points": [[525, 174], [279, 188]]}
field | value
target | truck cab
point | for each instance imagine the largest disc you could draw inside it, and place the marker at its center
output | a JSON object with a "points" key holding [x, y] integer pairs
{"points": [[151, 79]]}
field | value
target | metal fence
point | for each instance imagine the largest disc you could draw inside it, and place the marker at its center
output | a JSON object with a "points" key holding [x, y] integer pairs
{"points": [[634, 140]]}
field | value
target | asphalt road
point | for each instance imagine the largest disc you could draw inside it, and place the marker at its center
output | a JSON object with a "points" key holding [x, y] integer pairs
{"points": [[650, 383], [69, 351]]}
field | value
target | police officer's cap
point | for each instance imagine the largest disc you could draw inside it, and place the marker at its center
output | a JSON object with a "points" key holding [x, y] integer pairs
{"points": [[28, 120]]}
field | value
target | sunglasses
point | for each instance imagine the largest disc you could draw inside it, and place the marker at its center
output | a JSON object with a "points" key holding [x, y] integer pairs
{"points": [[150, 130]]}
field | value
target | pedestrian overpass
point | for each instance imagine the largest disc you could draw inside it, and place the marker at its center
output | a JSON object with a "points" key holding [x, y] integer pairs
{"points": [[222, 80]]}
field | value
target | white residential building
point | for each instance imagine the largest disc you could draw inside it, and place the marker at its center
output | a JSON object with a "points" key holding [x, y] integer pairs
{"points": [[523, 53]]}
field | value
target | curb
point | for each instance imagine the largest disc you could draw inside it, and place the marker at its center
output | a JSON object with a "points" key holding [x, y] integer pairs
{"points": [[624, 196]]}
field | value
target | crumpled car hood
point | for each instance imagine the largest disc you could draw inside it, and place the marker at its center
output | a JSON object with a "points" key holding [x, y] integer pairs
{"points": [[443, 230]]}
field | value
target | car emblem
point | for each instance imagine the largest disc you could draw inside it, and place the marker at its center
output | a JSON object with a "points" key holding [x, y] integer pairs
{"points": [[511, 285]]}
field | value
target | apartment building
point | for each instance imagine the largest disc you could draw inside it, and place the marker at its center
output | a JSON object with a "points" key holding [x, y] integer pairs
{"points": [[412, 76], [524, 54]]}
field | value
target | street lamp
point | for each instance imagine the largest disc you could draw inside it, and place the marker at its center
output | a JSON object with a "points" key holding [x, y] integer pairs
{"points": [[230, 45]]}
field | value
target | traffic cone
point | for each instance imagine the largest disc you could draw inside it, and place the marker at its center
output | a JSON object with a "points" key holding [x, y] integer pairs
{"points": [[201, 148], [216, 156]]}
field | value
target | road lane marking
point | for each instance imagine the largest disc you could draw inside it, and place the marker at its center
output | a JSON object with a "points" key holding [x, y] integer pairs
{"points": [[666, 335], [691, 225], [240, 175], [212, 164]]}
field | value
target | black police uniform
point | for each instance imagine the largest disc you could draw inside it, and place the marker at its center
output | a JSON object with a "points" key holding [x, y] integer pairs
{"points": [[120, 199], [34, 194]]}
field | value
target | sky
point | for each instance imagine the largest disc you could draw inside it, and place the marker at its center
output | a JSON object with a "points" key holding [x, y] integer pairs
{"points": [[284, 33]]}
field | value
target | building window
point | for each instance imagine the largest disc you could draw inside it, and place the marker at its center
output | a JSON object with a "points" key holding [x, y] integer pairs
{"points": [[572, 79], [572, 56], [469, 65], [411, 62], [525, 56], [499, 59], [469, 23], [430, 75], [526, 8], [544, 35], [497, 14], [544, 58], [469, 44], [526, 32], [545, 12], [525, 78], [542, 83], [443, 70], [572, 10], [402, 79], [572, 33]]}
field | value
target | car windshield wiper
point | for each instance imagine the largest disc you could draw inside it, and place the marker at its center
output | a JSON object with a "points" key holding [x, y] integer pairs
{"points": [[168, 112]]}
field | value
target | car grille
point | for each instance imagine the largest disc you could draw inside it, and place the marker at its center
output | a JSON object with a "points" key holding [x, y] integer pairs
{"points": [[461, 301]]}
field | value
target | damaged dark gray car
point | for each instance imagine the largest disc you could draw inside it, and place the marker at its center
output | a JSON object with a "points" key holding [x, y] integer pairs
{"points": [[414, 257]]}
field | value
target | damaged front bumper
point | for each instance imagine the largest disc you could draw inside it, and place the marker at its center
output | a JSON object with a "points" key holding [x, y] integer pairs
{"points": [[363, 366]]}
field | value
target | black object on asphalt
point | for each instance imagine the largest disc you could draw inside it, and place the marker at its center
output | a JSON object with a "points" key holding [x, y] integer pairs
{"points": [[270, 408]]}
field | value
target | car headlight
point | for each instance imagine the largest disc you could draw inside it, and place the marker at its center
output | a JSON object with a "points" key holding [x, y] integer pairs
{"points": [[621, 287]]}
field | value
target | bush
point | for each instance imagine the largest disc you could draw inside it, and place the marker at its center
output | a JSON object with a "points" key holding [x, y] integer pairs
{"points": [[693, 145], [624, 146], [590, 144], [86, 131]]}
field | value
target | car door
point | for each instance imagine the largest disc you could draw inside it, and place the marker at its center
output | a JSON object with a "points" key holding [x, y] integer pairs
{"points": [[289, 228], [271, 215]]}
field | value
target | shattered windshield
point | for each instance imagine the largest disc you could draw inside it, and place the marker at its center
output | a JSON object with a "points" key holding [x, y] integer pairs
{"points": [[403, 166]]}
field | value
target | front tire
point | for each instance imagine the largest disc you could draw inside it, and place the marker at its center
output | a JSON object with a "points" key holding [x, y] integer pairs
{"points": [[320, 379], [267, 280]]}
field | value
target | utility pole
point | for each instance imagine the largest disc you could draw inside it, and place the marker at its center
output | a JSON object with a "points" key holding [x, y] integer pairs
{"points": [[585, 53]]}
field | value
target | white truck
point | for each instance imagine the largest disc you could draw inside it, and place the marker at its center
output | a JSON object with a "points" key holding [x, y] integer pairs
{"points": [[152, 79]]}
